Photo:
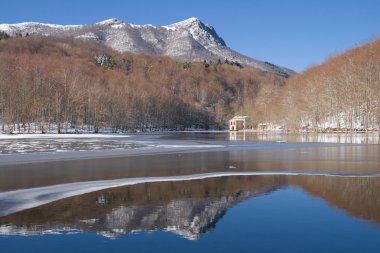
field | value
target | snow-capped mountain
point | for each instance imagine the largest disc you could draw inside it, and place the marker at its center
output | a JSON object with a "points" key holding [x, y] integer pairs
{"points": [[188, 40], [188, 218]]}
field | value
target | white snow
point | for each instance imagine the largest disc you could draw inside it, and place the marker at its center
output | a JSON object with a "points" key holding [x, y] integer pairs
{"points": [[171, 28], [59, 136], [185, 23], [135, 26], [26, 25], [90, 36], [110, 21], [117, 26], [139, 26], [5, 27]]}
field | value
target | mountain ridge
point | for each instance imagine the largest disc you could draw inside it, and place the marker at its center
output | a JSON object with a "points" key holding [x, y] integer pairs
{"points": [[187, 40]]}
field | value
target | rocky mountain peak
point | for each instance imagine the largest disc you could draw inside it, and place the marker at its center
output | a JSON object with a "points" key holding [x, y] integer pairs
{"points": [[200, 31], [187, 23], [111, 21]]}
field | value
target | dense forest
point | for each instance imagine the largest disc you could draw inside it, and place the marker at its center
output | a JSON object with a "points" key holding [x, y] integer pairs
{"points": [[69, 84], [50, 84], [341, 94]]}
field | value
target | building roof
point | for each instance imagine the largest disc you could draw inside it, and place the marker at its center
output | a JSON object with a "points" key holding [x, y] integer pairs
{"points": [[239, 118]]}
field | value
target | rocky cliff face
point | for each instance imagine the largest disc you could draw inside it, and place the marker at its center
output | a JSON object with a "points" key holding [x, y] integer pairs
{"points": [[188, 218], [188, 40]]}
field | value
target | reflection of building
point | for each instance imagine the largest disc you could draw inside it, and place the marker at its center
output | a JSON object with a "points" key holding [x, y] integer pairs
{"points": [[240, 123], [262, 126], [234, 136]]}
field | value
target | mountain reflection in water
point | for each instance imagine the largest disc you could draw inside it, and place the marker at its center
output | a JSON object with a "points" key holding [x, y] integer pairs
{"points": [[186, 208]]}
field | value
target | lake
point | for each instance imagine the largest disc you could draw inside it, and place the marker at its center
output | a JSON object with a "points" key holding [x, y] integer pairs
{"points": [[190, 192]]}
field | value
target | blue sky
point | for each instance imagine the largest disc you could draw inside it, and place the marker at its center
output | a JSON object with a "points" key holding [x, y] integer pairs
{"points": [[293, 33]]}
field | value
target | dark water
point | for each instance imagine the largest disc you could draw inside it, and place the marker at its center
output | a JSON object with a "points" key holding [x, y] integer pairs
{"points": [[337, 210]]}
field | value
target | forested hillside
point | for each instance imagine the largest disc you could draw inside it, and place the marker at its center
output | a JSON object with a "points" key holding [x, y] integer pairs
{"points": [[341, 94], [70, 83]]}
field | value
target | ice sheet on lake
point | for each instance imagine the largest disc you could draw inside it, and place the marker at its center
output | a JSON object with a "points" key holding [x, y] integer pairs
{"points": [[38, 143], [59, 136], [53, 143]]}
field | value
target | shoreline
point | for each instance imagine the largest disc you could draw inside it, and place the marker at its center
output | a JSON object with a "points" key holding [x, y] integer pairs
{"points": [[129, 134], [141, 144]]}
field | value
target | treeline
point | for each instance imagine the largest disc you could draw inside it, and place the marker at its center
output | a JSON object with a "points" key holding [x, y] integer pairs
{"points": [[342, 94], [69, 83]]}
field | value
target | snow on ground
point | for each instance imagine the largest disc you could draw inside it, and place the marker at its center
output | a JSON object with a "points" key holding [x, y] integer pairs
{"points": [[52, 128], [351, 119]]}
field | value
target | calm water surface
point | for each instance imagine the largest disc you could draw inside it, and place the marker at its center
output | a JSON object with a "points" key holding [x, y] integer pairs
{"points": [[309, 195]]}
